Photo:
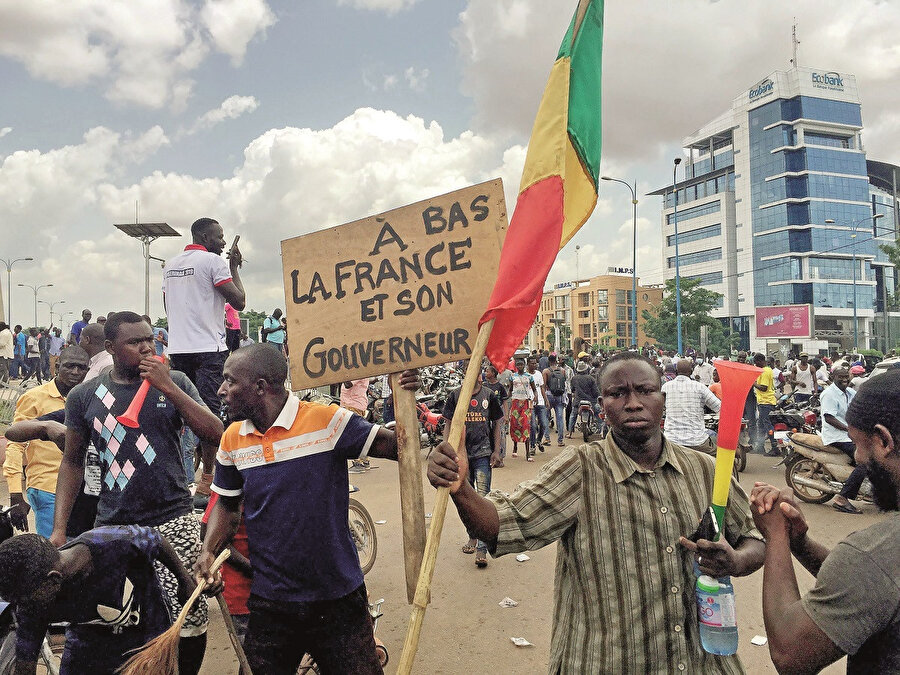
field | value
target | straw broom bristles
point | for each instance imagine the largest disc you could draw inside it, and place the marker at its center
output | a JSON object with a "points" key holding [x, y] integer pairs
{"points": [[160, 655]]}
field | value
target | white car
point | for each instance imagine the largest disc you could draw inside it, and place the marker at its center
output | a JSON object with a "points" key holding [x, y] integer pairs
{"points": [[883, 366]]}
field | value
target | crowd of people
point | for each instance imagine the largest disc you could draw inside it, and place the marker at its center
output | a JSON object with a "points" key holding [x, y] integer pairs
{"points": [[119, 545]]}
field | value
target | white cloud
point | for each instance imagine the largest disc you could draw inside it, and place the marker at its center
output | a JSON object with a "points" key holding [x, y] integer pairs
{"points": [[4, 131], [291, 181], [140, 52], [231, 108], [234, 23], [670, 67], [415, 78], [388, 6]]}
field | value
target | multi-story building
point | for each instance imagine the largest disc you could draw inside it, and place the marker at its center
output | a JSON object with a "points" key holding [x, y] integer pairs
{"points": [[597, 309], [775, 210]]}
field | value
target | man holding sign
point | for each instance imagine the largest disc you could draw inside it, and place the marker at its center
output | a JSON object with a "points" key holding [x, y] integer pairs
{"points": [[287, 460], [624, 588]]}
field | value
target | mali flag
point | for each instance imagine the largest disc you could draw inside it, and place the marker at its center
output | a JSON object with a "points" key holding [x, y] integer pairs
{"points": [[559, 182]]}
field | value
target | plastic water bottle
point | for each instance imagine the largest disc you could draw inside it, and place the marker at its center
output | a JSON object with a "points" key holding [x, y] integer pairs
{"points": [[715, 610]]}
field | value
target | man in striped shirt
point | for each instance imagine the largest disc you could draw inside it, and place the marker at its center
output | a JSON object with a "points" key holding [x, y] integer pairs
{"points": [[686, 402], [624, 589]]}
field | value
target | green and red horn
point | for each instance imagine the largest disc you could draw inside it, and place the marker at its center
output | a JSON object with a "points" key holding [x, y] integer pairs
{"points": [[736, 379]]}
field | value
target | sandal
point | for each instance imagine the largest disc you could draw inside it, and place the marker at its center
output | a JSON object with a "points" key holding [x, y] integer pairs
{"points": [[530, 459], [561, 444], [481, 559], [515, 454], [468, 549], [847, 508]]}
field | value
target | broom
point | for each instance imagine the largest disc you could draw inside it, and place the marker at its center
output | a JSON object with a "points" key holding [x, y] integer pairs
{"points": [[160, 655]]}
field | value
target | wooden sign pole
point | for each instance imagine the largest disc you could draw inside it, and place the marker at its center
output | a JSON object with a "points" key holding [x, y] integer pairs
{"points": [[412, 499], [457, 428]]}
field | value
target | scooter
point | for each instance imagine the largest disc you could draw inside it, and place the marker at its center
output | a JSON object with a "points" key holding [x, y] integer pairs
{"points": [[816, 472]]}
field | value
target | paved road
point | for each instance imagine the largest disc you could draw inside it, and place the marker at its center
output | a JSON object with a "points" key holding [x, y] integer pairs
{"points": [[466, 630]]}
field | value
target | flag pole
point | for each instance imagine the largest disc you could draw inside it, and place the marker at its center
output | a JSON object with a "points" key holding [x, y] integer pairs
{"points": [[457, 428]]}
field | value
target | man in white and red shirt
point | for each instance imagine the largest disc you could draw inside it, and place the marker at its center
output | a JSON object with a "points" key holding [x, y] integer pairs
{"points": [[196, 285]]}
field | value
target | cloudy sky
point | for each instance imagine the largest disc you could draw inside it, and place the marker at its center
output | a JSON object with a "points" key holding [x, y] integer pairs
{"points": [[279, 117]]}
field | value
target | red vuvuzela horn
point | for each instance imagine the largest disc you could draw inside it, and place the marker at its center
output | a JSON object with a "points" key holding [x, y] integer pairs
{"points": [[130, 417], [737, 379]]}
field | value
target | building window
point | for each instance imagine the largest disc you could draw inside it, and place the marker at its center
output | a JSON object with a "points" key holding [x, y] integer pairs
{"points": [[622, 329], [584, 299], [561, 302], [698, 257], [621, 312], [603, 312], [695, 212], [828, 140], [708, 278], [586, 314], [695, 235], [602, 297], [603, 326], [621, 296]]}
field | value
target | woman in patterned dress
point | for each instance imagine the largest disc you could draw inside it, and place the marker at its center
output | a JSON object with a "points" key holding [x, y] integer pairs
{"points": [[522, 393]]}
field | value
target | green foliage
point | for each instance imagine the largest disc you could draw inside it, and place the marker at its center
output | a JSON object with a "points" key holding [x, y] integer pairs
{"points": [[871, 352], [255, 320], [565, 333], [696, 305]]}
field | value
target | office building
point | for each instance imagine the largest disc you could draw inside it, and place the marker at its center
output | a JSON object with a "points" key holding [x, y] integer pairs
{"points": [[775, 202], [597, 309]]}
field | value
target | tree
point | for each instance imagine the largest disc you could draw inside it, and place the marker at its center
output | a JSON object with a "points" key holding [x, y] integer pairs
{"points": [[565, 332], [255, 320], [893, 253], [696, 305]]}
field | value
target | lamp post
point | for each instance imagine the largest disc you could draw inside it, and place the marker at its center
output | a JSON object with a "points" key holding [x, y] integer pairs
{"points": [[634, 202], [677, 161], [855, 226], [9, 264], [52, 305], [35, 289]]}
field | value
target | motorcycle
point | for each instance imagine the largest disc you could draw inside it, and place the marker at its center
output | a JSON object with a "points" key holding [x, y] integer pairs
{"points": [[431, 422], [711, 421], [587, 421], [816, 472], [791, 417], [362, 530]]}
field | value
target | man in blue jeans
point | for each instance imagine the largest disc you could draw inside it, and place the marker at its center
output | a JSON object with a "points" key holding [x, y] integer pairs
{"points": [[555, 382], [482, 445], [540, 422]]}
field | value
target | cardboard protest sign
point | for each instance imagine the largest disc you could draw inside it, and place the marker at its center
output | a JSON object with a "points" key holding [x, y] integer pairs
{"points": [[402, 289]]}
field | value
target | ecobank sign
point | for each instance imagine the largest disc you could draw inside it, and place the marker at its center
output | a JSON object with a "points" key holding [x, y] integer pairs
{"points": [[761, 90], [831, 81]]}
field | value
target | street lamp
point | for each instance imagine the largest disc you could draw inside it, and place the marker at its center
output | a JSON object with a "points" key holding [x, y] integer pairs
{"points": [[634, 202], [9, 264], [677, 264], [52, 305], [855, 225], [35, 289]]}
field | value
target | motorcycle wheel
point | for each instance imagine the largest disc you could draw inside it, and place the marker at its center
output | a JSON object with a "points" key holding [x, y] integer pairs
{"points": [[586, 431], [362, 529], [740, 457], [808, 468]]}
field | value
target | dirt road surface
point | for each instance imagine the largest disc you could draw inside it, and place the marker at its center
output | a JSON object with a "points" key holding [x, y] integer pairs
{"points": [[465, 629]]}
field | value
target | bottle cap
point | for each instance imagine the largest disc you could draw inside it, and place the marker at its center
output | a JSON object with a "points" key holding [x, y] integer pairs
{"points": [[707, 583]]}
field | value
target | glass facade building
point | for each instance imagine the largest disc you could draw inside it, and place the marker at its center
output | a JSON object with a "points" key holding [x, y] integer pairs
{"points": [[775, 207]]}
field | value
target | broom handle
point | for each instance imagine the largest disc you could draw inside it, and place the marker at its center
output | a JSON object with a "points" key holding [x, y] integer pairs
{"points": [[217, 563], [232, 633], [457, 427]]}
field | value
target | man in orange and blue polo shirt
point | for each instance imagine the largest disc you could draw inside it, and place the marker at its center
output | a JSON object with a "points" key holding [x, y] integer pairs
{"points": [[287, 460]]}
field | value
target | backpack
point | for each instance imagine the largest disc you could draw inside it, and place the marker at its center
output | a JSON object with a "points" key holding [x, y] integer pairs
{"points": [[557, 382]]}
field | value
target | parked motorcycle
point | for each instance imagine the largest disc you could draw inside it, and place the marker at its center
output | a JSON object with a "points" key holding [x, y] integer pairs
{"points": [[816, 472]]}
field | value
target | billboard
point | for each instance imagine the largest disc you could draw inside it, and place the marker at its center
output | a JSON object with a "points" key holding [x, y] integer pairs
{"points": [[784, 321]]}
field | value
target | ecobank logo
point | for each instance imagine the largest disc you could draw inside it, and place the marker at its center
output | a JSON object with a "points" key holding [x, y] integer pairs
{"points": [[833, 81], [764, 88]]}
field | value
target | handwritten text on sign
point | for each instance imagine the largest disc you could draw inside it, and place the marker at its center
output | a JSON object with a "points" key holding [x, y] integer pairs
{"points": [[398, 290]]}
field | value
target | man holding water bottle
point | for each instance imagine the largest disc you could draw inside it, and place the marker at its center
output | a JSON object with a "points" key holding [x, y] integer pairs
{"points": [[624, 598]]}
